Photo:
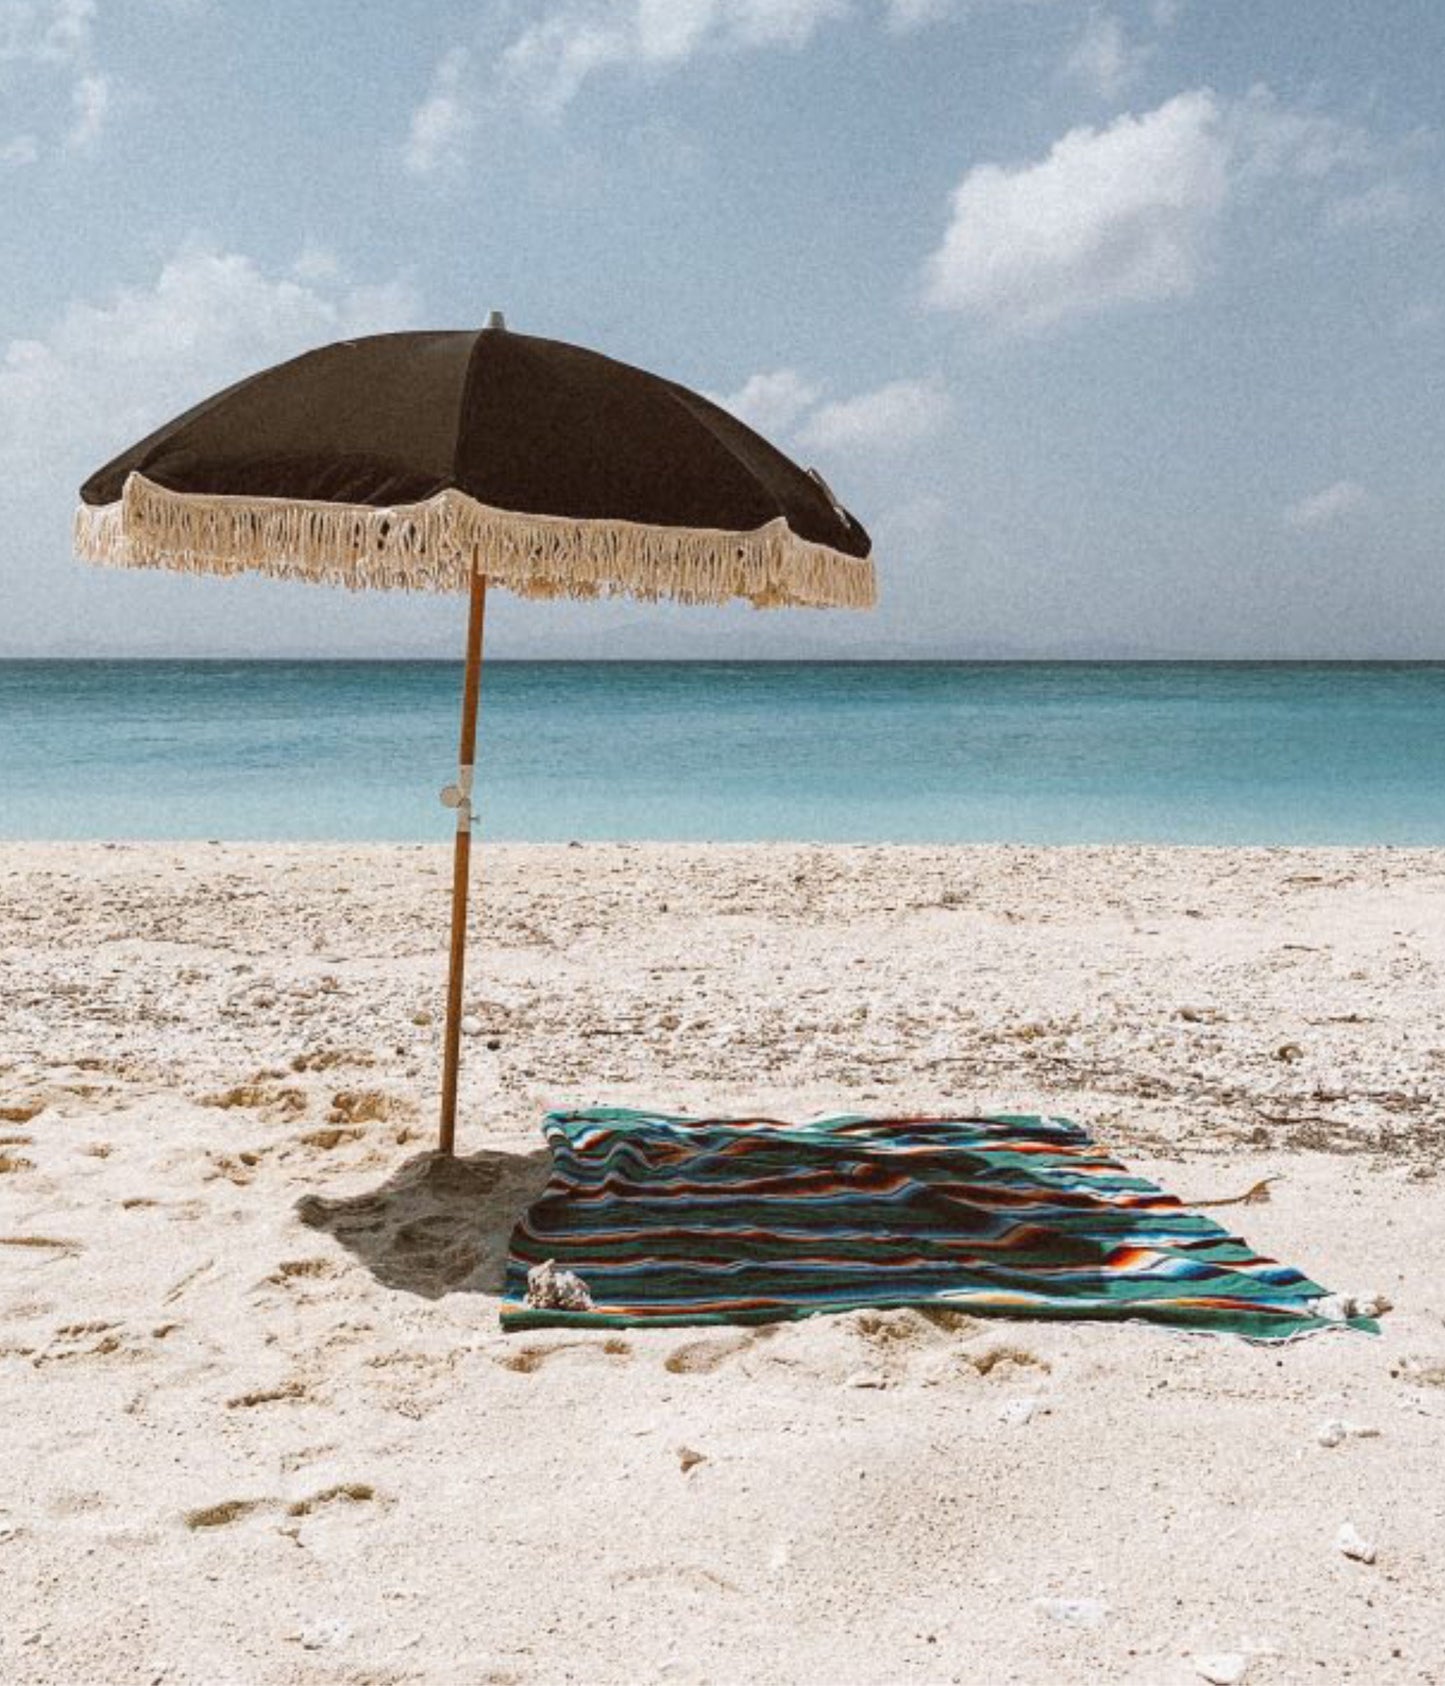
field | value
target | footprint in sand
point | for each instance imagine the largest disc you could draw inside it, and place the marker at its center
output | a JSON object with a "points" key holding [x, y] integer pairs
{"points": [[303, 1280], [21, 1112], [304, 1456], [282, 1393], [323, 1059], [865, 1349], [178, 1211], [527, 1360], [224, 1514], [701, 1357], [912, 1326], [343, 1493], [1004, 1362], [998, 1362], [238, 1168], [43, 1246], [332, 1136], [369, 1106], [230, 1511], [273, 1103], [93, 1341], [292, 1270]]}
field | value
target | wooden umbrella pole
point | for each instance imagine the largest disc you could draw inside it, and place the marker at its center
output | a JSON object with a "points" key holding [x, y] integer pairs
{"points": [[459, 796]]}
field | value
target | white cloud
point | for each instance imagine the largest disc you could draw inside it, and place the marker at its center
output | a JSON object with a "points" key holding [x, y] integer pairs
{"points": [[104, 374], [552, 58], [564, 44], [1126, 213], [90, 102], [1103, 59], [18, 151], [53, 38], [1109, 215], [893, 417], [783, 405], [571, 41], [441, 123], [1325, 508], [771, 403], [38, 33], [1269, 139]]}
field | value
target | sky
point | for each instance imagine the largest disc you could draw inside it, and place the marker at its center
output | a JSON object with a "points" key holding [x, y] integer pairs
{"points": [[1120, 326]]}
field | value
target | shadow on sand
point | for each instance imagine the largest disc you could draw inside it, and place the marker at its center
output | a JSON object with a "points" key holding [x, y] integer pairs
{"points": [[437, 1225]]}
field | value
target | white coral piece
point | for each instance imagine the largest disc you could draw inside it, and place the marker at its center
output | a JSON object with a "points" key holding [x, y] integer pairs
{"points": [[1354, 1544]]}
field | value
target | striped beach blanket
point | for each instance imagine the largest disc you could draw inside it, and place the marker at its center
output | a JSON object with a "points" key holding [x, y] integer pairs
{"points": [[725, 1220]]}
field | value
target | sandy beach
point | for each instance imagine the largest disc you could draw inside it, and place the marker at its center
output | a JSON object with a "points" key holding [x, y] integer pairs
{"points": [[261, 1425]]}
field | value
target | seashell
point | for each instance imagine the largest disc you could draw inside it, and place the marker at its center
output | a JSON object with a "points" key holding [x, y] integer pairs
{"points": [[1339, 1308], [550, 1289]]}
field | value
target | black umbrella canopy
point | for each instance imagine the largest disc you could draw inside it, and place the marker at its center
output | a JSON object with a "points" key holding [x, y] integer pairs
{"points": [[421, 460]]}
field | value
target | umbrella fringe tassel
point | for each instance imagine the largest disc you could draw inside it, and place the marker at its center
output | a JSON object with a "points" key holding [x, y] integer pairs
{"points": [[439, 544]]}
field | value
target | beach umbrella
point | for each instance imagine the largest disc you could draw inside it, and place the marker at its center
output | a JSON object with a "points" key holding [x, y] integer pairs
{"points": [[454, 461]]}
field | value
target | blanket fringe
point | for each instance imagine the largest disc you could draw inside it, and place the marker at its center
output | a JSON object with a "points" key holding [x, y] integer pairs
{"points": [[439, 544]]}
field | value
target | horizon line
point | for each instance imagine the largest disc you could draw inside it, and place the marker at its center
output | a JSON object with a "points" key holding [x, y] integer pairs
{"points": [[754, 661]]}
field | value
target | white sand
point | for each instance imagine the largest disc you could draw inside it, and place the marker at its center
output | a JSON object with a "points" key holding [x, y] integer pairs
{"points": [[241, 1447]]}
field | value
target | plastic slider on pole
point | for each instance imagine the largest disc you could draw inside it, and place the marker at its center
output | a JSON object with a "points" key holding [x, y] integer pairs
{"points": [[459, 796]]}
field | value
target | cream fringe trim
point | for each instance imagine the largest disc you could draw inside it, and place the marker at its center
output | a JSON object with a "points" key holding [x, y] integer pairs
{"points": [[439, 544]]}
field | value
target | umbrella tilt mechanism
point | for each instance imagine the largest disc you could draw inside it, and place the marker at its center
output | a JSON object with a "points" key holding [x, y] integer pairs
{"points": [[459, 796]]}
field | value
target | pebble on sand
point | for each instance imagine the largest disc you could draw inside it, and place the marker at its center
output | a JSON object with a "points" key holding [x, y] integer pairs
{"points": [[1226, 1668], [1335, 1431], [1074, 1612], [1354, 1544], [319, 1635]]}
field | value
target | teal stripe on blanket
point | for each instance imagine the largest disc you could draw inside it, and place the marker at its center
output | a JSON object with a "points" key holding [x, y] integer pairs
{"points": [[725, 1220]]}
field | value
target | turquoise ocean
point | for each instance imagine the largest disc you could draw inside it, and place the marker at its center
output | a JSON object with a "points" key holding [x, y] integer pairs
{"points": [[1076, 752]]}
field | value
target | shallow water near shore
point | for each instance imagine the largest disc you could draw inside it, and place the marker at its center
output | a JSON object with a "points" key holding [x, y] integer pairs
{"points": [[939, 752]]}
